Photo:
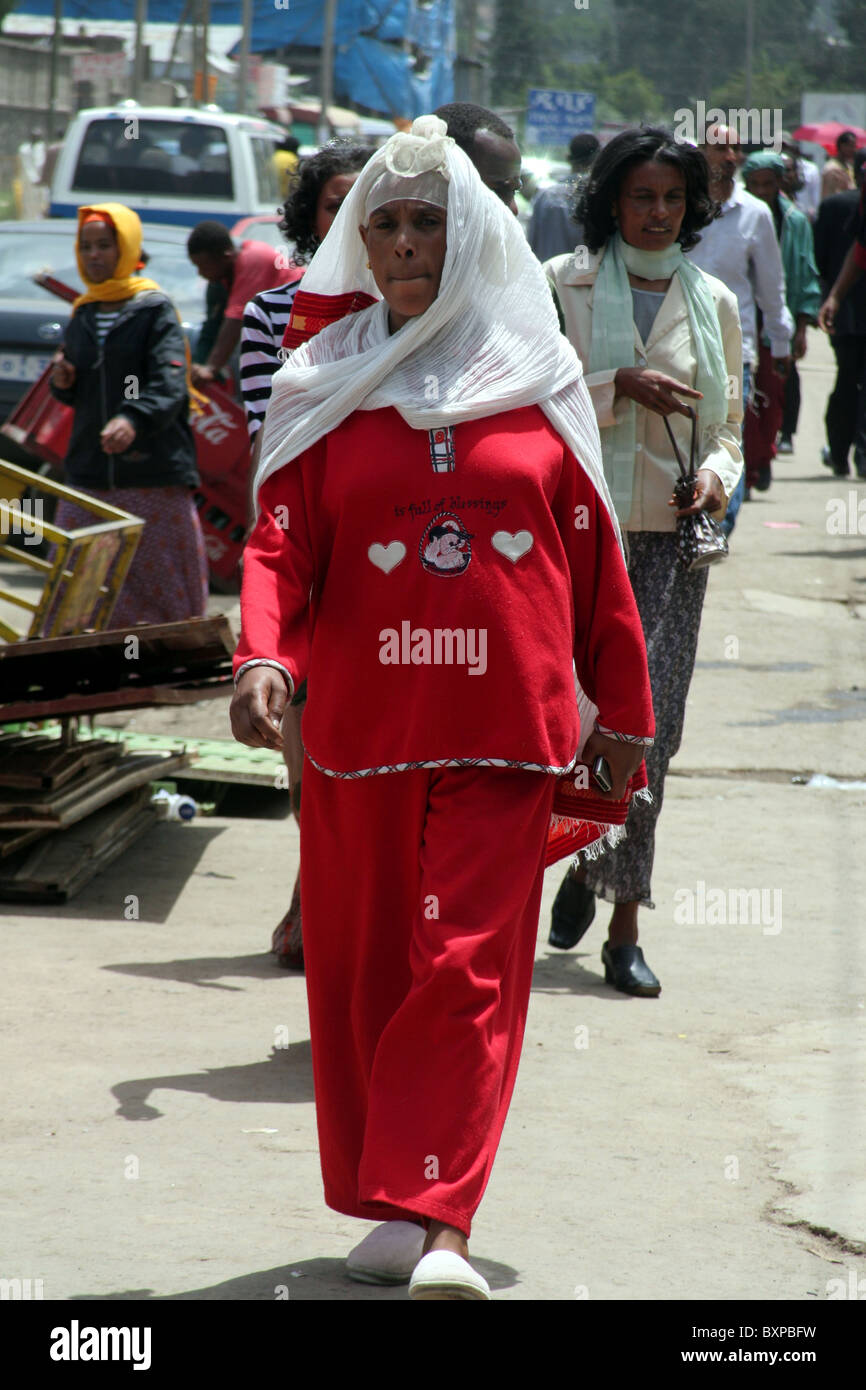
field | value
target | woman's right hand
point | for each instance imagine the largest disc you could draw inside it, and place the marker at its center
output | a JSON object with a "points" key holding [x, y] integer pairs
{"points": [[653, 390], [63, 375], [257, 707]]}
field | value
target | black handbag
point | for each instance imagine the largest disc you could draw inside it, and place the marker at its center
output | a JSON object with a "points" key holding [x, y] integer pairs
{"points": [[700, 540]]}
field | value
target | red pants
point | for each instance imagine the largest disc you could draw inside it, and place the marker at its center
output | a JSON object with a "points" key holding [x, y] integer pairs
{"points": [[763, 417], [421, 895]]}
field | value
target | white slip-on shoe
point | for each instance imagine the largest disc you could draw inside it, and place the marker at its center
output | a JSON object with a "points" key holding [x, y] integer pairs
{"points": [[387, 1255], [444, 1274]]}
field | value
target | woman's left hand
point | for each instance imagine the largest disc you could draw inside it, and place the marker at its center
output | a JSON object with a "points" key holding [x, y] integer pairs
{"points": [[709, 496], [623, 759], [117, 436]]}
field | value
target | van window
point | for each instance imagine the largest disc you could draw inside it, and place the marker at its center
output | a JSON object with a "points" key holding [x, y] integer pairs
{"points": [[266, 175], [133, 155]]}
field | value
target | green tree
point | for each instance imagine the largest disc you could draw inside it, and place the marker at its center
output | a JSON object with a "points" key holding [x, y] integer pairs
{"points": [[649, 61]]}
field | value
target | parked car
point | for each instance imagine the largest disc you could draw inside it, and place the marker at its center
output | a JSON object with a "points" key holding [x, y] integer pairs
{"points": [[170, 164], [33, 320]]}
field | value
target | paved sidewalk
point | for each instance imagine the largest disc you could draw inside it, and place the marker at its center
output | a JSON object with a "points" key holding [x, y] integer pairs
{"points": [[159, 1124]]}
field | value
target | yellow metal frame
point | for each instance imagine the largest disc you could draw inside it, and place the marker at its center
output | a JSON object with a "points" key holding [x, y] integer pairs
{"points": [[83, 578]]}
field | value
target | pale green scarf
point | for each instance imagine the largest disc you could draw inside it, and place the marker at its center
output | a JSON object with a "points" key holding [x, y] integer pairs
{"points": [[613, 346]]}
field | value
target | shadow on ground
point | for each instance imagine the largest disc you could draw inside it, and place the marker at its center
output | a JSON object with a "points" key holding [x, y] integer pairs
{"points": [[286, 1076], [305, 1281], [561, 972], [206, 971]]}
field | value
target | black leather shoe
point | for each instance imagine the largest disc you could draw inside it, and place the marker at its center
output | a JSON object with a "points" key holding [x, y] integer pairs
{"points": [[626, 969], [572, 914]]}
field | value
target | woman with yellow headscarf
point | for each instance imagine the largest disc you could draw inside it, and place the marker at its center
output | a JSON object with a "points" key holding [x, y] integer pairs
{"points": [[124, 370]]}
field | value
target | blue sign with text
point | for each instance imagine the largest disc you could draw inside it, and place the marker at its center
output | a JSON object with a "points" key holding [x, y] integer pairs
{"points": [[553, 117]]}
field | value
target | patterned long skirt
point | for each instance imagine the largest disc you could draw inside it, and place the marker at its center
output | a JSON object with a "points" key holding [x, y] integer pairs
{"points": [[670, 601], [168, 578]]}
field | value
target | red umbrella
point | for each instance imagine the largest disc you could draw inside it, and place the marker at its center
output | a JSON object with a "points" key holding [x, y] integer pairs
{"points": [[826, 133]]}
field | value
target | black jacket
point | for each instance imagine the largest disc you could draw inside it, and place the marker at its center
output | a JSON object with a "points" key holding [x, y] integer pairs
{"points": [[835, 229], [140, 373]]}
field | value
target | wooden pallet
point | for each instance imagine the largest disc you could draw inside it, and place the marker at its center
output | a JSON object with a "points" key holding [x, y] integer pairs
{"points": [[60, 864], [40, 761], [165, 663], [54, 809]]}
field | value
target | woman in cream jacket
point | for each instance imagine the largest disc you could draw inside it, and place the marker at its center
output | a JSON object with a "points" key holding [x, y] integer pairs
{"points": [[656, 336]]}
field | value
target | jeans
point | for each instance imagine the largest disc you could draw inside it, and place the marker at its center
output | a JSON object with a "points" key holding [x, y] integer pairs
{"points": [[739, 492]]}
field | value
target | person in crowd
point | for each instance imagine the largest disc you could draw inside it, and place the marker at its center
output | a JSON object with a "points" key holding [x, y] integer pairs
{"points": [[793, 184], [553, 230], [193, 143], [774, 398], [791, 177], [429, 776], [132, 447], [241, 272], [657, 336], [52, 153], [31, 162], [286, 162], [740, 248], [845, 420], [490, 144], [805, 186], [851, 270], [837, 176], [316, 198]]}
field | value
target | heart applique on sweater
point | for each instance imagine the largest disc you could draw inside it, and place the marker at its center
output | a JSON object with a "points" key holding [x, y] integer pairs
{"points": [[512, 547], [387, 557]]}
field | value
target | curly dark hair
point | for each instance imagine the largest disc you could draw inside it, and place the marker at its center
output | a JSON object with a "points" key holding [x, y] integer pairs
{"points": [[298, 223], [623, 152]]}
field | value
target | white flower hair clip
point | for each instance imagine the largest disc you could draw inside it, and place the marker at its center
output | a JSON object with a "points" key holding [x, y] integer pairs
{"points": [[421, 149]]}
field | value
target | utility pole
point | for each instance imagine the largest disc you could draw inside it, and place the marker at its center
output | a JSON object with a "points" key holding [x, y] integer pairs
{"points": [[56, 36], [178, 33], [244, 56], [750, 47], [205, 26], [326, 78], [138, 56]]}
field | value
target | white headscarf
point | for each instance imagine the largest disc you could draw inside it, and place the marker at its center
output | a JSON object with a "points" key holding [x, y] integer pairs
{"points": [[489, 342]]}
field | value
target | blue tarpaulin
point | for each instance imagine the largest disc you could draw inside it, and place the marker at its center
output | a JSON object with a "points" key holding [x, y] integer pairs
{"points": [[380, 45]]}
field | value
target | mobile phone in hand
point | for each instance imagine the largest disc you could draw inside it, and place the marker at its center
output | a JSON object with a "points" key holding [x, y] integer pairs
{"points": [[601, 774]]}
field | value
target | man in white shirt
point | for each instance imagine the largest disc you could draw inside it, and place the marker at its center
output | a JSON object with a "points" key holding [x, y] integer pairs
{"points": [[741, 249]]}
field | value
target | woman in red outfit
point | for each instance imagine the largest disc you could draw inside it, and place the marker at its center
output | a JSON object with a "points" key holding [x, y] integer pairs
{"points": [[436, 553]]}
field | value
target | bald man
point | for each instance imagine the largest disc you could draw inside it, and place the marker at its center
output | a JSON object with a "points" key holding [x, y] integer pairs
{"points": [[489, 143]]}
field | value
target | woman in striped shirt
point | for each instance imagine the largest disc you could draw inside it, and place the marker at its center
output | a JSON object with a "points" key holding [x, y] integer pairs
{"points": [[313, 203]]}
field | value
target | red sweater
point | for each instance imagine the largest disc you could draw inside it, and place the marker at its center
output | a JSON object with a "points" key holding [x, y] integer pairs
{"points": [[435, 614]]}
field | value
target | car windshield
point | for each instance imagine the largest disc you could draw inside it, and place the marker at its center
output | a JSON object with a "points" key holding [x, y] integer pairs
{"points": [[27, 253], [131, 154], [266, 175]]}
